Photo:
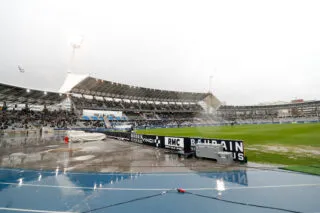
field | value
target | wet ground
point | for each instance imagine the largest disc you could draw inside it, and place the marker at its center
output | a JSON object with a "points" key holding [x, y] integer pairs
{"points": [[43, 174], [242, 191], [50, 152]]}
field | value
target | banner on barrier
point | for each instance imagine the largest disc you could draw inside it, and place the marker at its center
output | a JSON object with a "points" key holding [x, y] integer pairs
{"points": [[136, 137], [174, 143], [151, 140], [188, 144], [234, 146]]}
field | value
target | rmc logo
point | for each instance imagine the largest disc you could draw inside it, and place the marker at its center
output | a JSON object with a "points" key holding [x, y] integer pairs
{"points": [[174, 142]]}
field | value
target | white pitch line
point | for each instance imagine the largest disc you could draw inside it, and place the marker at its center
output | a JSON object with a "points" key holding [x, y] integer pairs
{"points": [[159, 189], [255, 187], [277, 186], [31, 210], [90, 188], [47, 186]]}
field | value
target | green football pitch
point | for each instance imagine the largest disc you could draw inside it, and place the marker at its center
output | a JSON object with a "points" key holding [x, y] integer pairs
{"points": [[284, 144]]}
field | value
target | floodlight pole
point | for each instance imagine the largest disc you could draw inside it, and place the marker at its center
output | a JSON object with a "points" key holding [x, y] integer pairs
{"points": [[75, 45], [210, 90], [72, 57], [210, 81]]}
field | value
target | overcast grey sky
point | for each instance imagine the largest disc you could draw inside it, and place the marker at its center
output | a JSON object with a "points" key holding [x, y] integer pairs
{"points": [[256, 51]]}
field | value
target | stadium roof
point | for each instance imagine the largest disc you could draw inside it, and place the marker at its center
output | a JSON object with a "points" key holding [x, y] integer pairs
{"points": [[99, 87], [14, 94], [70, 81]]}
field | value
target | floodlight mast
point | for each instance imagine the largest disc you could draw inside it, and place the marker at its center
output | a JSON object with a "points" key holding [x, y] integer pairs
{"points": [[75, 43], [210, 91], [210, 81]]}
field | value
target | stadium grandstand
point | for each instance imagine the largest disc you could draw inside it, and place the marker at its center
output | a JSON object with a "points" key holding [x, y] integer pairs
{"points": [[297, 111], [113, 103], [28, 108], [138, 105], [87, 102]]}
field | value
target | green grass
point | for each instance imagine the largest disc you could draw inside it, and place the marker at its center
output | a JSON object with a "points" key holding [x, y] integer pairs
{"points": [[314, 170], [257, 137]]}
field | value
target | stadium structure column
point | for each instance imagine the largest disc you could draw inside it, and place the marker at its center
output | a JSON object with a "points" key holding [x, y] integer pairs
{"points": [[72, 107], [155, 106]]}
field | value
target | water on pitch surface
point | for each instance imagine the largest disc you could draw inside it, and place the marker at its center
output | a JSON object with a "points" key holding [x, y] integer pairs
{"points": [[78, 192], [52, 188]]}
